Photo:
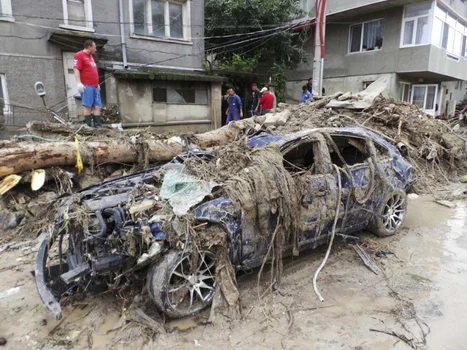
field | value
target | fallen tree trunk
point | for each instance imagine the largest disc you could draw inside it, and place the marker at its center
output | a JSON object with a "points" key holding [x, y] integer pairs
{"points": [[18, 157], [47, 129]]}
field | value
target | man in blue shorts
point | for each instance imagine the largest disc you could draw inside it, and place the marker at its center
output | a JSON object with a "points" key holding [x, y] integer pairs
{"points": [[87, 78]]}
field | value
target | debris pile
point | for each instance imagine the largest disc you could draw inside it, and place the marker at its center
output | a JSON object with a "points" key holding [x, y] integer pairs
{"points": [[437, 153], [110, 114]]}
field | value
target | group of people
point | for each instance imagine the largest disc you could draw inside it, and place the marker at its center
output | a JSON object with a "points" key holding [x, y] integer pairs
{"points": [[259, 102]]}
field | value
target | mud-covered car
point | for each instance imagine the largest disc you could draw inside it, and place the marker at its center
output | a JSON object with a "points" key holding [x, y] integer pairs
{"points": [[114, 233]]}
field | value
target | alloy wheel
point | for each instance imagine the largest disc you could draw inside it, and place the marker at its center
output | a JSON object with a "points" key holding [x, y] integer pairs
{"points": [[192, 288], [394, 212]]}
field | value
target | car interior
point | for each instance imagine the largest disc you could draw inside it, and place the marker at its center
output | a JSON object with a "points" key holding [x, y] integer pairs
{"points": [[300, 159], [353, 150]]}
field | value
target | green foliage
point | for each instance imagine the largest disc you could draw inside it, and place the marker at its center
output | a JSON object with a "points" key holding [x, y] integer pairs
{"points": [[239, 63], [279, 77], [271, 51]]}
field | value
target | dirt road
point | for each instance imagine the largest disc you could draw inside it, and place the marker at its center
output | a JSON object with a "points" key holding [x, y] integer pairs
{"points": [[418, 298]]}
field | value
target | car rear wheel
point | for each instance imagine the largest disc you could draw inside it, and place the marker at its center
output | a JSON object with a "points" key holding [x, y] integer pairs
{"points": [[180, 286], [390, 215]]}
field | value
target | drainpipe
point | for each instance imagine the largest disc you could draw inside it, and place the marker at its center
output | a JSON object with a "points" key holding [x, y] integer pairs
{"points": [[318, 57], [122, 34]]}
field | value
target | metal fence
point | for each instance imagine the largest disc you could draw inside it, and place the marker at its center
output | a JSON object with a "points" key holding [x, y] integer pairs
{"points": [[20, 116]]}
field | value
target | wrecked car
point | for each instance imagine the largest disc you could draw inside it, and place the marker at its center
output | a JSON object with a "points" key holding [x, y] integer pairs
{"points": [[117, 233]]}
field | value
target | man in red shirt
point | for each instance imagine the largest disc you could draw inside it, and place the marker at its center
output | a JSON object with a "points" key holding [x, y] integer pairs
{"points": [[87, 78], [266, 101]]}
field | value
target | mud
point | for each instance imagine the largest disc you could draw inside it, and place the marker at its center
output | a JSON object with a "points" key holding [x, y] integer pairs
{"points": [[424, 281]]}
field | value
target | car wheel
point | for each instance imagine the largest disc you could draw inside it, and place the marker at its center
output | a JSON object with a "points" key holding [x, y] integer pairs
{"points": [[390, 215], [177, 288]]}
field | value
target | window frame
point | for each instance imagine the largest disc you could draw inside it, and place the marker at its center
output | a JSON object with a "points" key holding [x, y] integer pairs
{"points": [[186, 22], [367, 83], [460, 28], [362, 35], [403, 87], [6, 11], [89, 27], [6, 99], [166, 87], [416, 18], [435, 98]]}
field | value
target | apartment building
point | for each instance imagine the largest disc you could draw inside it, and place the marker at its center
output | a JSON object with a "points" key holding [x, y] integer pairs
{"points": [[150, 57], [421, 46]]}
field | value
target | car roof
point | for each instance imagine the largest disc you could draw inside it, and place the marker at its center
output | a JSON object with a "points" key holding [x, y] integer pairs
{"points": [[266, 138]]}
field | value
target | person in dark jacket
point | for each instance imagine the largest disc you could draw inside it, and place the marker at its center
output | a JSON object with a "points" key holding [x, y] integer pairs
{"points": [[235, 111], [253, 99]]}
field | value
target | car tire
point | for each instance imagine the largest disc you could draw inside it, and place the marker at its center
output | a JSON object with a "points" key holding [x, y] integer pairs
{"points": [[390, 215], [171, 280]]}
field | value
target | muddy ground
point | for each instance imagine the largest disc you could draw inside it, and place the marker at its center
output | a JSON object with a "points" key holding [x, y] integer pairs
{"points": [[418, 297]]}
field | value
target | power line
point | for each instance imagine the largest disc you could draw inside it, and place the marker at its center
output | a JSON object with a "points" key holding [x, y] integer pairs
{"points": [[210, 49], [256, 32], [144, 23]]}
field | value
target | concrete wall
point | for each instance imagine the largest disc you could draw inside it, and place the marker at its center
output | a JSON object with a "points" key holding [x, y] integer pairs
{"points": [[341, 6], [179, 54], [441, 64], [26, 57], [341, 66], [346, 71]]}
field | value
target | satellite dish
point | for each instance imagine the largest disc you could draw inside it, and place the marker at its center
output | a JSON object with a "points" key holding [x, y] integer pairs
{"points": [[40, 89]]}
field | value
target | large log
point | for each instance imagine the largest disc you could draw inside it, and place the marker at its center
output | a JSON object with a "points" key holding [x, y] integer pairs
{"points": [[18, 157]]}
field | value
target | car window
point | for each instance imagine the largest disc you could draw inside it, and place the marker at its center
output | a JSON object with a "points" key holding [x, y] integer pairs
{"points": [[300, 158], [352, 149]]}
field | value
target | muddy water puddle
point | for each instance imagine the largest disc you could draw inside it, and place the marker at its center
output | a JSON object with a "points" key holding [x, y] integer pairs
{"points": [[448, 331]]}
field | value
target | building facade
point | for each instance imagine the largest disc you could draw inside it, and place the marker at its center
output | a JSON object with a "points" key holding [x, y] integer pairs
{"points": [[150, 57], [421, 46]]}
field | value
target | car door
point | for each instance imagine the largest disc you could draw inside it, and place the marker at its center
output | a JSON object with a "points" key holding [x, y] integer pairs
{"points": [[319, 192], [357, 159]]}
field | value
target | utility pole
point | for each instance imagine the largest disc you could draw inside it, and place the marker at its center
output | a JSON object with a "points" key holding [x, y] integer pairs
{"points": [[318, 57]]}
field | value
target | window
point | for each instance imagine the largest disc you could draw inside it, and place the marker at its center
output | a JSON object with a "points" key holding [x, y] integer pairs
{"points": [[449, 33], [405, 92], [5, 9], [367, 83], [415, 26], [424, 96], [159, 95], [161, 18], [181, 93], [366, 36], [352, 151], [301, 158], [77, 14]]}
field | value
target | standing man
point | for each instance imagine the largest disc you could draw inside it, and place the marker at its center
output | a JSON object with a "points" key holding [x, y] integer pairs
{"points": [[266, 101], [309, 87], [234, 112], [253, 100], [225, 106], [87, 78]]}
